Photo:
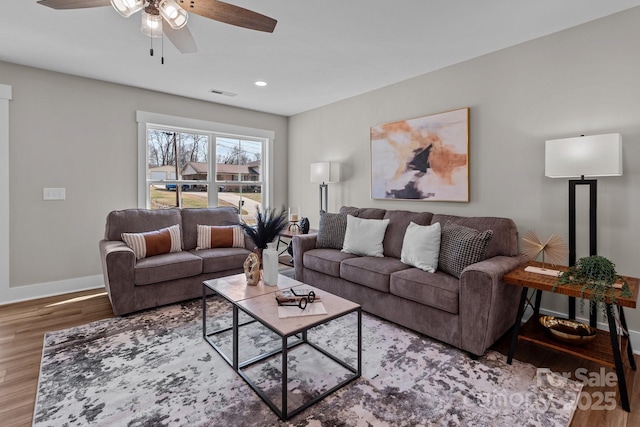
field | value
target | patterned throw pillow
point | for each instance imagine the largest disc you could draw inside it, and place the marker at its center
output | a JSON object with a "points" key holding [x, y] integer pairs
{"points": [[152, 243], [461, 246], [332, 229], [212, 236]]}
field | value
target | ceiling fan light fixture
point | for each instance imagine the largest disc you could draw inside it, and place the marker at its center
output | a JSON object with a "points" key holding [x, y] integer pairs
{"points": [[127, 8], [151, 25], [175, 16]]}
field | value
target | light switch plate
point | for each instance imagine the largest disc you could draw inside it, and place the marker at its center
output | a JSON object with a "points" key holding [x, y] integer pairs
{"points": [[54, 194]]}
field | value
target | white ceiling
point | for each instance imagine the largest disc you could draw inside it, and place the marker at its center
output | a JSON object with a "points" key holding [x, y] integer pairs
{"points": [[320, 52]]}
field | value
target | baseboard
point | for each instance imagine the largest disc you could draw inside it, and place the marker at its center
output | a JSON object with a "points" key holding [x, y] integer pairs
{"points": [[49, 289], [634, 336]]}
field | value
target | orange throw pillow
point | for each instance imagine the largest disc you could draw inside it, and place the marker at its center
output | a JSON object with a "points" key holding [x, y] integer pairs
{"points": [[163, 241], [212, 236]]}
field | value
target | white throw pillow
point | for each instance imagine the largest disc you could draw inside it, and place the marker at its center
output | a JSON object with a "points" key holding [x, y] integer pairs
{"points": [[421, 246], [364, 236]]}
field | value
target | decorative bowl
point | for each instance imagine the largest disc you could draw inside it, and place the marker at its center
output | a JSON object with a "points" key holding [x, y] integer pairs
{"points": [[567, 330]]}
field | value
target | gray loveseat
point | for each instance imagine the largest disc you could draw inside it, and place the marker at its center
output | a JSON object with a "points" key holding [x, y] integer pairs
{"points": [[135, 285], [470, 312]]}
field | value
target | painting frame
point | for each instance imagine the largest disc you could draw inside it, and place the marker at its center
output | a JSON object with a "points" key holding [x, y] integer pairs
{"points": [[422, 159]]}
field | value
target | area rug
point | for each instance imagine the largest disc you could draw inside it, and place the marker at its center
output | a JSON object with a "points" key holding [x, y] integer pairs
{"points": [[155, 369]]}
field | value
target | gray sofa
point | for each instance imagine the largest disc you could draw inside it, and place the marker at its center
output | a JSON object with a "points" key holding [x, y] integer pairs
{"points": [[470, 313], [135, 285]]}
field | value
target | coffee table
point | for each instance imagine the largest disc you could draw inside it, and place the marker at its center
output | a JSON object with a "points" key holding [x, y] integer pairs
{"points": [[259, 303]]}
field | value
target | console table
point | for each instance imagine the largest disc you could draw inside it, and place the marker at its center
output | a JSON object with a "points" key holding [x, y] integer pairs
{"points": [[605, 349]]}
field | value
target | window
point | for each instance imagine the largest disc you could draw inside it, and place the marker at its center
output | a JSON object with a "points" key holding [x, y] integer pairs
{"points": [[191, 164]]}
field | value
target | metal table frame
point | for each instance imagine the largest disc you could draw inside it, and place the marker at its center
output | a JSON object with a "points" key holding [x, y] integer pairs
{"points": [[301, 334], [542, 283]]}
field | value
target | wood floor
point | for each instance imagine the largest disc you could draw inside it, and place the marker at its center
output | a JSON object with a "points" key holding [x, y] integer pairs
{"points": [[23, 325]]}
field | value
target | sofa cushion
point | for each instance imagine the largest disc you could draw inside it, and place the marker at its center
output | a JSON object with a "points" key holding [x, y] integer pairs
{"points": [[364, 236], [371, 271], [332, 229], [220, 236], [166, 267], [461, 246], [222, 259], [367, 213], [439, 290], [157, 242], [191, 217], [325, 261], [421, 246], [139, 221], [398, 222], [505, 232]]}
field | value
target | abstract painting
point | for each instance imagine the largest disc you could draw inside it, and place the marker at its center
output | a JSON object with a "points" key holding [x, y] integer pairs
{"points": [[425, 158]]}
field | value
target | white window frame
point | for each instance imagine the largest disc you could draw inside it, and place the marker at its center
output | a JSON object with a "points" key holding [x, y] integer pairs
{"points": [[147, 120], [5, 288]]}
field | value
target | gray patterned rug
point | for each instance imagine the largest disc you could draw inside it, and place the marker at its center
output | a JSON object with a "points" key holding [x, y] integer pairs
{"points": [[155, 369]]}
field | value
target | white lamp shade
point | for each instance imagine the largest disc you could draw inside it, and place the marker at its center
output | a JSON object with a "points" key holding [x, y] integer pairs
{"points": [[589, 156], [127, 8], [151, 25], [175, 16], [325, 172]]}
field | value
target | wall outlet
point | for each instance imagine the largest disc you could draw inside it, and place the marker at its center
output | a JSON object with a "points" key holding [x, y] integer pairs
{"points": [[54, 194]]}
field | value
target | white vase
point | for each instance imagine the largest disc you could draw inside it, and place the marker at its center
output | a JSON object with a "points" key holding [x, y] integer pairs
{"points": [[270, 265]]}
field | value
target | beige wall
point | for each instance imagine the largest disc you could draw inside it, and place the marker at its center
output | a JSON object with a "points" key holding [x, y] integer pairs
{"points": [[580, 81], [81, 134]]}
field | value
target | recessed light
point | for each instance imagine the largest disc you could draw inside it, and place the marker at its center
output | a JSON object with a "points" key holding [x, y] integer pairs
{"points": [[260, 83]]}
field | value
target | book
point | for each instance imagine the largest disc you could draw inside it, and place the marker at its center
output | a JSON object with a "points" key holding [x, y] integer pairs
{"points": [[303, 292], [315, 309], [288, 296]]}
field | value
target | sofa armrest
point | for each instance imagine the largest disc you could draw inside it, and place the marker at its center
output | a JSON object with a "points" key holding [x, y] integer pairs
{"points": [[118, 262], [488, 306], [301, 244]]}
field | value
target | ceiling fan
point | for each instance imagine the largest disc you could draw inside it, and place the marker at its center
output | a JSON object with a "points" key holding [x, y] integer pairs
{"points": [[155, 13]]}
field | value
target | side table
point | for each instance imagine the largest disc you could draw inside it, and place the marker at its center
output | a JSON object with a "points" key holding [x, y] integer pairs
{"points": [[288, 234], [606, 349]]}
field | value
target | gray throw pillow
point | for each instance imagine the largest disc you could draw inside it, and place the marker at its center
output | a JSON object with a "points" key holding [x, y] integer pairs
{"points": [[460, 247], [332, 229]]}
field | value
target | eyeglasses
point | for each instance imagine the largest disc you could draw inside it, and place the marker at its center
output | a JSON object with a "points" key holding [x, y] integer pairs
{"points": [[298, 301]]}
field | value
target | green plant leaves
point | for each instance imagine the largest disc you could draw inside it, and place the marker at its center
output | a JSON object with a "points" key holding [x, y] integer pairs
{"points": [[595, 274]]}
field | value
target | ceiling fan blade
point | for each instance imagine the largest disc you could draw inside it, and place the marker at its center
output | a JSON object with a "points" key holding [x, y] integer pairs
{"points": [[229, 14], [74, 4], [182, 39]]}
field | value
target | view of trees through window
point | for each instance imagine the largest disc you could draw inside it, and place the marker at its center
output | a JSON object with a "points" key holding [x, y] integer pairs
{"points": [[180, 170]]}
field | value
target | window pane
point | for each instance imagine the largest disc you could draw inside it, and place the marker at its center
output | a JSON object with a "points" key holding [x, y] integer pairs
{"points": [[162, 198], [251, 161], [251, 199], [193, 156], [238, 160], [195, 196], [173, 195], [245, 198], [190, 161]]}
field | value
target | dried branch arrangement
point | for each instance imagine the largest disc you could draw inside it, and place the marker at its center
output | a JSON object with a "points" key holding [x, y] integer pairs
{"points": [[554, 250]]}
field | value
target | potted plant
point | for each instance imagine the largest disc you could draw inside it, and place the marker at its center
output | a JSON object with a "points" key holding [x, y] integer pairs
{"points": [[269, 224], [597, 275]]}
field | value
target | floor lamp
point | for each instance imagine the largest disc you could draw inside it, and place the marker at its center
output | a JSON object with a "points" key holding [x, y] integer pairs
{"points": [[325, 173], [580, 157]]}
